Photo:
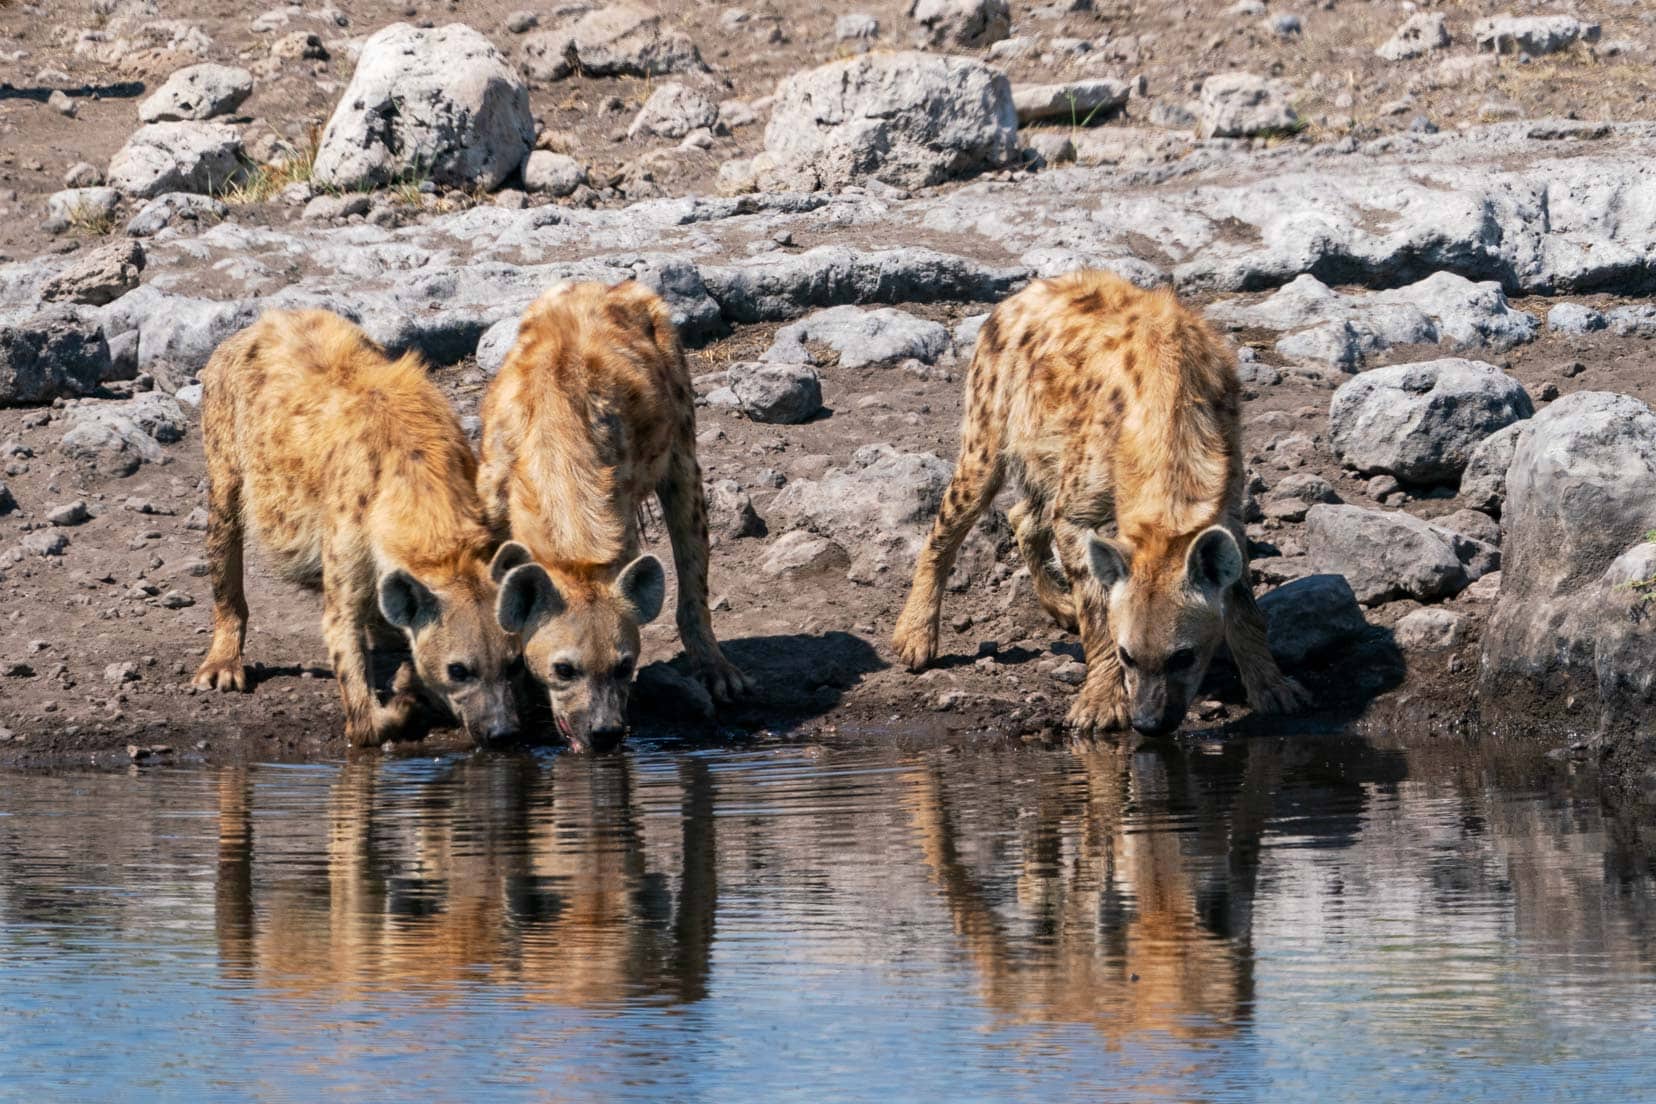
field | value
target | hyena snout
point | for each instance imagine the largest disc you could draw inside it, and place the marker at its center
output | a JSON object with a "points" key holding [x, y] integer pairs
{"points": [[489, 714], [602, 724], [1154, 710]]}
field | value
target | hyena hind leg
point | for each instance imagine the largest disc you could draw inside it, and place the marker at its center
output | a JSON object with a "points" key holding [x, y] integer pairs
{"points": [[223, 668], [684, 511]]}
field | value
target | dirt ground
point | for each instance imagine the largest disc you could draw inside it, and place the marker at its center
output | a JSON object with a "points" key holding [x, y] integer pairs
{"points": [[131, 587]]}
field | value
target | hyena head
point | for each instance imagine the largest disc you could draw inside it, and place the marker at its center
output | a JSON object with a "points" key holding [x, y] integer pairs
{"points": [[581, 641], [1167, 615], [462, 655]]}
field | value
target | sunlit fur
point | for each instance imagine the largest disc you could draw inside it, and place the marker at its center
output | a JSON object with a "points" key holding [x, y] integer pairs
{"points": [[353, 471], [591, 413], [1112, 406]]}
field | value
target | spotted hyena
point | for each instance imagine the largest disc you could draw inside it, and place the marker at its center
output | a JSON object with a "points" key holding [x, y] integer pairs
{"points": [[1111, 405], [592, 413], [353, 471]]}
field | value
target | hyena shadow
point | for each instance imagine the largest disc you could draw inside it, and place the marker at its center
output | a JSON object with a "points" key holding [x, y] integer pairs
{"points": [[799, 676]]}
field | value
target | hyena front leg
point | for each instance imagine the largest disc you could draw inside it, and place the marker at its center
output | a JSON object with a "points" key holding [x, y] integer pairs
{"points": [[223, 668], [1269, 690], [684, 509], [1102, 703], [1032, 529], [347, 600], [977, 477]]}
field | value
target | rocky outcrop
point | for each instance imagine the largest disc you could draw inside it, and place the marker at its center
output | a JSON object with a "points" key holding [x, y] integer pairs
{"points": [[441, 104], [907, 119], [1422, 422], [1575, 619]]}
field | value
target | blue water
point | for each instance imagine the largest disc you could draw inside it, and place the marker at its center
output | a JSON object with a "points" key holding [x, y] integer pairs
{"points": [[1258, 920]]}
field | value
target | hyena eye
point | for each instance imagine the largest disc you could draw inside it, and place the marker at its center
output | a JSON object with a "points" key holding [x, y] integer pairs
{"points": [[564, 671], [624, 669], [1126, 657], [1181, 660], [459, 672]]}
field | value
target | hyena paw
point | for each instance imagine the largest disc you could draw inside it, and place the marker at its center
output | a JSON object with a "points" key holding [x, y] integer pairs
{"points": [[916, 644], [1282, 695], [1095, 713], [221, 674], [724, 680]]}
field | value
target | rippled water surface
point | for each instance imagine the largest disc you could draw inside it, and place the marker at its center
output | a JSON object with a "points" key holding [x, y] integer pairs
{"points": [[1266, 920]]}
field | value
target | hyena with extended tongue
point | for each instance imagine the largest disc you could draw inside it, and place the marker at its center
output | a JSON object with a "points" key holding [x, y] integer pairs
{"points": [[1117, 406], [591, 413]]}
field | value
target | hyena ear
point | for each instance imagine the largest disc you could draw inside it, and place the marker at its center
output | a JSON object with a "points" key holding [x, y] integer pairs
{"points": [[1107, 561], [1214, 561], [509, 555], [643, 585], [405, 601], [527, 597]]}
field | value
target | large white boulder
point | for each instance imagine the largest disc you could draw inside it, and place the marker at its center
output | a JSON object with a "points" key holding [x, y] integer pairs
{"points": [[441, 104]]}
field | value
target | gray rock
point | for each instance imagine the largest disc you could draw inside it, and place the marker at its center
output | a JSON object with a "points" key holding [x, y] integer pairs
{"points": [[173, 209], [1241, 105], [1637, 320], [183, 332], [441, 104], [1079, 103], [496, 342], [1483, 482], [119, 673], [961, 24], [1573, 318], [79, 205], [61, 102], [114, 438], [672, 111], [102, 276], [324, 208], [617, 40], [1311, 617], [83, 174], [59, 351], [197, 92], [782, 394], [299, 46], [553, 174], [1344, 330], [522, 21], [1573, 617], [907, 119], [1387, 554], [1421, 422], [882, 494], [1474, 524], [1534, 35], [69, 514], [730, 511], [45, 542], [1420, 34], [860, 337], [856, 27], [178, 157], [802, 553], [780, 285], [1294, 495], [1430, 630]]}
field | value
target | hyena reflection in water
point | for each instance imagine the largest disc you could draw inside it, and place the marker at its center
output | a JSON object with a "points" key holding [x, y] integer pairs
{"points": [[509, 874]]}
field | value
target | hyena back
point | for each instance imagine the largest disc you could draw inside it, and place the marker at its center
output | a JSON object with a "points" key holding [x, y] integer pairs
{"points": [[354, 473], [1111, 405]]}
